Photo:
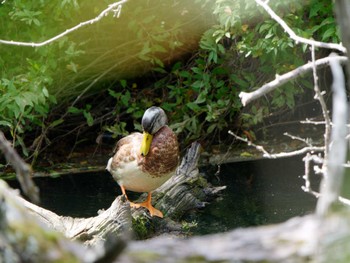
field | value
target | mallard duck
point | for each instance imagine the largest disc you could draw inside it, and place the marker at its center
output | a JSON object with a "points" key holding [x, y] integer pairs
{"points": [[143, 162]]}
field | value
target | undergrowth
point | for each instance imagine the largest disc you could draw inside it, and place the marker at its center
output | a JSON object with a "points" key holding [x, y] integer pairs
{"points": [[241, 48]]}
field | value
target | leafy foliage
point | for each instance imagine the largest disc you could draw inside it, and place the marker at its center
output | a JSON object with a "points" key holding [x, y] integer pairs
{"points": [[240, 50], [28, 74]]}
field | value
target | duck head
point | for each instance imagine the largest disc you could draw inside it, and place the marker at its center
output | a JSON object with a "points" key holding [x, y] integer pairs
{"points": [[153, 120]]}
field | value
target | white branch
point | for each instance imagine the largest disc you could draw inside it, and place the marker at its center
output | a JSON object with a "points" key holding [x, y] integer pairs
{"points": [[115, 8], [308, 121], [294, 137], [319, 96], [280, 80], [278, 155], [333, 178], [294, 36]]}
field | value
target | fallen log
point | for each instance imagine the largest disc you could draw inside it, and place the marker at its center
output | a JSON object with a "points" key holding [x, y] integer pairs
{"points": [[186, 190], [24, 238], [292, 241]]}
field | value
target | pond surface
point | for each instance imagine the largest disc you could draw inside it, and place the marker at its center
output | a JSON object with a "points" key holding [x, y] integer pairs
{"points": [[258, 192]]}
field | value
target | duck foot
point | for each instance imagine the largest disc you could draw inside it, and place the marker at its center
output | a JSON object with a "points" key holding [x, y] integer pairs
{"points": [[147, 204]]}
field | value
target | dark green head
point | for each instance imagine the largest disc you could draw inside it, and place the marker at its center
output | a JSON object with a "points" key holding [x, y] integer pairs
{"points": [[153, 119]]}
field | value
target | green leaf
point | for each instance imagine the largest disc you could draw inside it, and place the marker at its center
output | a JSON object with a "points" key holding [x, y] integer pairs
{"points": [[202, 97], [193, 106], [89, 118], [125, 99], [197, 70], [23, 146], [328, 33], [197, 84], [211, 128], [56, 123], [158, 48], [6, 123], [123, 83], [74, 110], [45, 92]]}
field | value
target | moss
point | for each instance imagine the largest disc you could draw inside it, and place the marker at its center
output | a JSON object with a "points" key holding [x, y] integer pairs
{"points": [[142, 227], [187, 226], [34, 243]]}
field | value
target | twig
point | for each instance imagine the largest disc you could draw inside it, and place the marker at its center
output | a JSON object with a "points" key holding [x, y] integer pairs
{"points": [[294, 36], [115, 7], [277, 155], [307, 187], [308, 121], [23, 170], [319, 96], [306, 141], [282, 79], [307, 160]]}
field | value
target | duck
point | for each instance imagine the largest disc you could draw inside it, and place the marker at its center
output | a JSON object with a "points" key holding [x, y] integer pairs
{"points": [[144, 161]]}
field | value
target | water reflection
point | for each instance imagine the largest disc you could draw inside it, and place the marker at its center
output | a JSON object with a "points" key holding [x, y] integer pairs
{"points": [[258, 192]]}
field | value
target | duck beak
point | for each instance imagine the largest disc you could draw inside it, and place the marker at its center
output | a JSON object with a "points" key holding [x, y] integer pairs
{"points": [[146, 143]]}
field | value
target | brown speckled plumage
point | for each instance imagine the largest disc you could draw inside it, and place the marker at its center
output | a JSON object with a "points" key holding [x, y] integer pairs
{"points": [[143, 162], [162, 159], [164, 155]]}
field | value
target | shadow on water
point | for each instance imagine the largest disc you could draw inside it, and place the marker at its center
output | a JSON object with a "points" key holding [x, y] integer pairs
{"points": [[258, 192], [78, 195]]}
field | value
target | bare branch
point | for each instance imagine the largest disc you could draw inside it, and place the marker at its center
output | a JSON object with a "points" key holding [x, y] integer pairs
{"points": [[23, 170], [294, 36], [278, 155], [115, 8], [307, 160], [337, 155], [308, 121], [306, 141], [307, 187], [319, 96], [291, 75]]}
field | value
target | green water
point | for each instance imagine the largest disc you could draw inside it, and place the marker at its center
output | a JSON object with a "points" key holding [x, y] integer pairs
{"points": [[258, 192]]}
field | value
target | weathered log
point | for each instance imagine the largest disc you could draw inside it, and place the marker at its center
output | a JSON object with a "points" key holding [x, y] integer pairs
{"points": [[115, 220], [186, 190], [292, 241], [23, 238]]}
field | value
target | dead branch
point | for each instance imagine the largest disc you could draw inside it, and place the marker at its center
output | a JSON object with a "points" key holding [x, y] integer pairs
{"points": [[294, 36], [319, 96], [291, 75], [23, 170], [337, 156], [115, 8], [266, 154]]}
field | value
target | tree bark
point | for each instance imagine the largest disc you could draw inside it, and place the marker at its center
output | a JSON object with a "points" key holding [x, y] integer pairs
{"points": [[186, 190]]}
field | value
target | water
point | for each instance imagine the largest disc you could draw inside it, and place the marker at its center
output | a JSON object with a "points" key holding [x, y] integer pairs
{"points": [[258, 192], [79, 195]]}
